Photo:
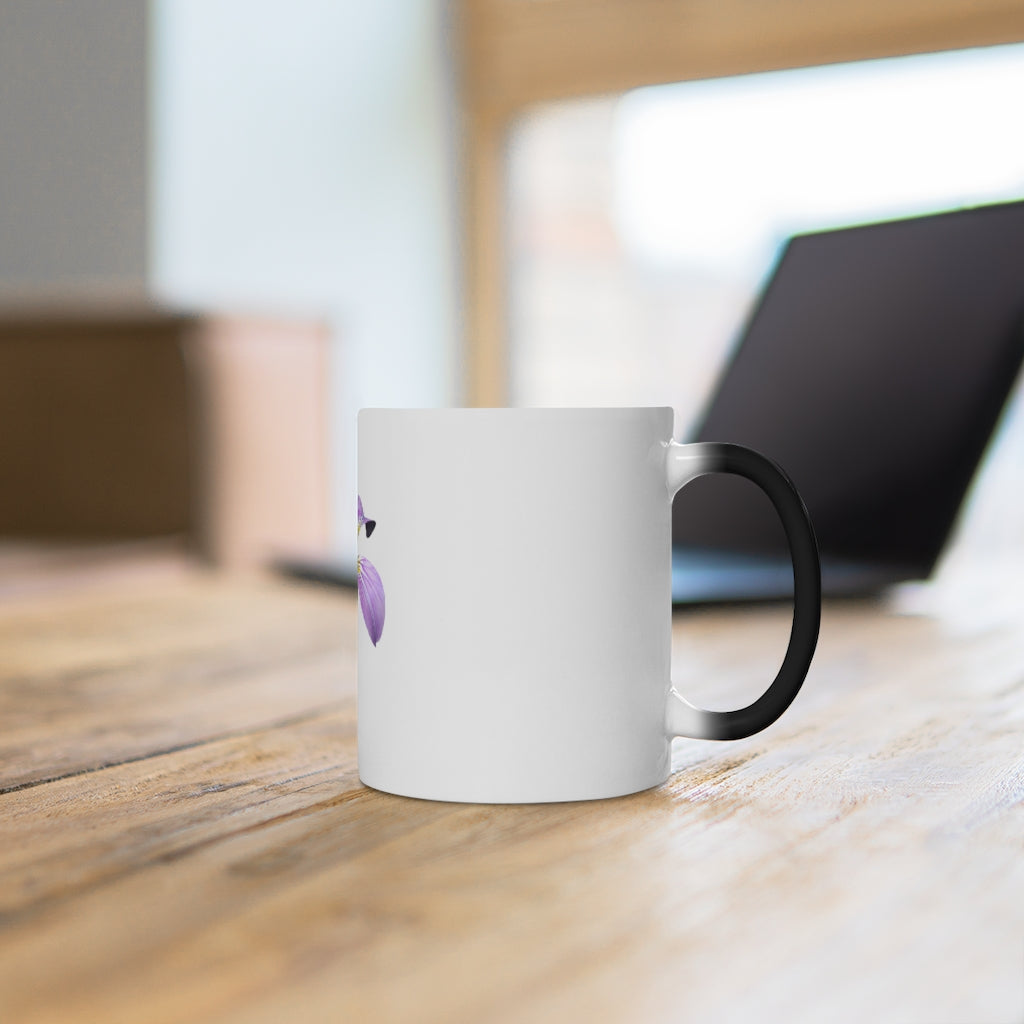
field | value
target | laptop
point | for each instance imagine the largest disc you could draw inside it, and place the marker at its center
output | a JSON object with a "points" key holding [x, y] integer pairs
{"points": [[873, 369]]}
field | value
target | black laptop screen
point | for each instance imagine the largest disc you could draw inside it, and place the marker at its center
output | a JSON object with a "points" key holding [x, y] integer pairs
{"points": [[873, 369]]}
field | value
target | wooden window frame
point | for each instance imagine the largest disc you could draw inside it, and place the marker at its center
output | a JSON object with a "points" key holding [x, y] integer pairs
{"points": [[515, 54]]}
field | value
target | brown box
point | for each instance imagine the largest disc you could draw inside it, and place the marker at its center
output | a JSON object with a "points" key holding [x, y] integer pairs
{"points": [[140, 425]]}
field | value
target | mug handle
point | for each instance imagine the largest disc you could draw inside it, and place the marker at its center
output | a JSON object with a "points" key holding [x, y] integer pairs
{"points": [[686, 462]]}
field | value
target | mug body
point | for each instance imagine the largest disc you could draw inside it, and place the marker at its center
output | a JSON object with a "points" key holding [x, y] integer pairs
{"points": [[516, 580]]}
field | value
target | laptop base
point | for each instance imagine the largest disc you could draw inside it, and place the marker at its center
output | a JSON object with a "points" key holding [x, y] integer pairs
{"points": [[701, 576]]}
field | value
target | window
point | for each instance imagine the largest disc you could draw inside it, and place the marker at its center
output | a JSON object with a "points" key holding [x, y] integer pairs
{"points": [[641, 226]]}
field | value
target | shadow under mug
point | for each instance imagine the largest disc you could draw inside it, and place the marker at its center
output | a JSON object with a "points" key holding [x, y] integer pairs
{"points": [[514, 585]]}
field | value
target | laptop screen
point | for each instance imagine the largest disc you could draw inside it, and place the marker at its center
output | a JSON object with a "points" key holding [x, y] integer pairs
{"points": [[873, 370]]}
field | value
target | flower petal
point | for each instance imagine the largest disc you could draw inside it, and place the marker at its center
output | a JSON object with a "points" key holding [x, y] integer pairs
{"points": [[361, 518], [371, 598]]}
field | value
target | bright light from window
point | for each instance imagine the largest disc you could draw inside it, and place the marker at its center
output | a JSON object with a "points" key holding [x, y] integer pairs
{"points": [[718, 172]]}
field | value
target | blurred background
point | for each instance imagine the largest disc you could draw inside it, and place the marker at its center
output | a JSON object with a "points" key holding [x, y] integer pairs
{"points": [[226, 226]]}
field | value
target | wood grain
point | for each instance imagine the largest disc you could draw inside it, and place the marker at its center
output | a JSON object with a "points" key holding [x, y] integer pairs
{"points": [[861, 860], [184, 664]]}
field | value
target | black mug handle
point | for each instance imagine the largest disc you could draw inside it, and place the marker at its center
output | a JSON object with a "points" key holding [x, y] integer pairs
{"points": [[686, 462]]}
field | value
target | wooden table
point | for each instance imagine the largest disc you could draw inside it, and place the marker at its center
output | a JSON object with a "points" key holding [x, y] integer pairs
{"points": [[185, 837]]}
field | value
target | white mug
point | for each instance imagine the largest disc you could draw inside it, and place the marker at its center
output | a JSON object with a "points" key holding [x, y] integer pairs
{"points": [[514, 585]]}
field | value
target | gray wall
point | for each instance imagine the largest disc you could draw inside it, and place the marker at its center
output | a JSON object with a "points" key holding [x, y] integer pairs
{"points": [[73, 142]]}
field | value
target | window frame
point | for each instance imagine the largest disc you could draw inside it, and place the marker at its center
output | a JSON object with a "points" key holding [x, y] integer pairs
{"points": [[514, 54]]}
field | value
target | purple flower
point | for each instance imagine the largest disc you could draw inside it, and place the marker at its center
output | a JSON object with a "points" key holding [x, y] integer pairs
{"points": [[368, 583], [363, 521], [371, 598]]}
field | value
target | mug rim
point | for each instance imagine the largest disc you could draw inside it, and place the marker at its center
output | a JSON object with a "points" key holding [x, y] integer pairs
{"points": [[518, 410]]}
